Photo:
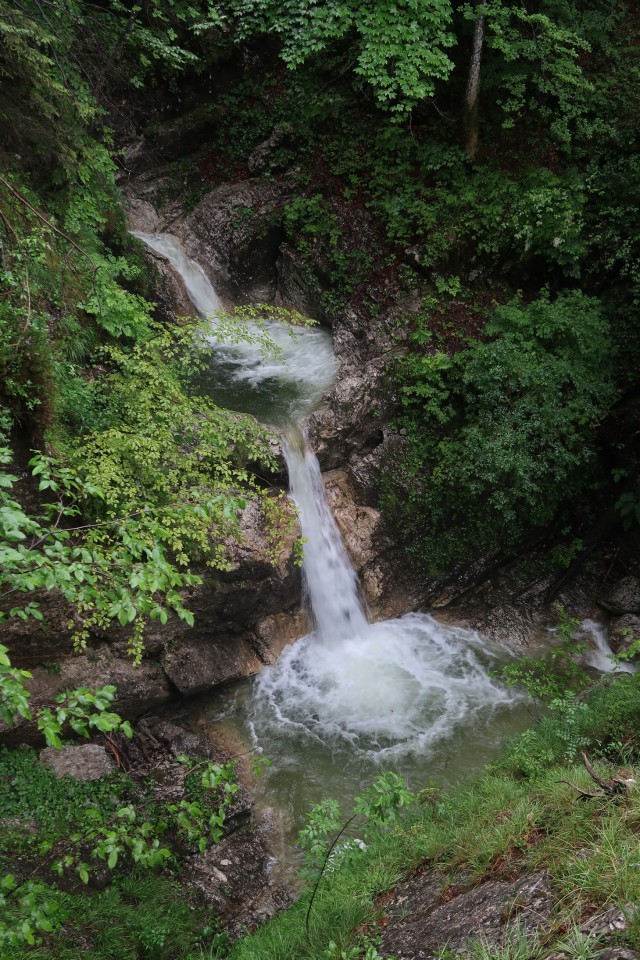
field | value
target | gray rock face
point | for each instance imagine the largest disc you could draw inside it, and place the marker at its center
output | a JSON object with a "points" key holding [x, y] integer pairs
{"points": [[235, 235], [509, 607], [424, 918], [171, 295], [276, 631], [295, 291], [199, 664], [349, 425], [613, 920], [624, 597], [359, 524], [262, 156], [139, 688], [88, 761], [365, 471], [601, 927], [622, 632], [616, 953], [234, 878], [386, 588]]}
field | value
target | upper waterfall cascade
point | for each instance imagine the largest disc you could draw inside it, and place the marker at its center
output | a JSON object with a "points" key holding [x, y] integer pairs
{"points": [[302, 358]]}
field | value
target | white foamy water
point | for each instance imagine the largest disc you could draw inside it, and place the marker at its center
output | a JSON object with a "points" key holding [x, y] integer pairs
{"points": [[201, 293], [330, 580], [385, 689], [396, 687], [302, 356], [600, 655]]}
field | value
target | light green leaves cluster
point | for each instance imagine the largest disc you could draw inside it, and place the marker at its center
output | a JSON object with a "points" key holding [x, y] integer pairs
{"points": [[106, 570], [399, 49], [14, 697], [83, 710], [380, 805], [34, 911], [402, 53], [538, 52], [160, 485]]}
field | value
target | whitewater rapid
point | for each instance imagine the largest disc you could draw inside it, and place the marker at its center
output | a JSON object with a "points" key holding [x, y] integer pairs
{"points": [[302, 356]]}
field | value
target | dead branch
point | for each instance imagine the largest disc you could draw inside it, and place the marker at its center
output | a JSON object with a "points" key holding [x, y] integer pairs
{"points": [[583, 793], [22, 199]]}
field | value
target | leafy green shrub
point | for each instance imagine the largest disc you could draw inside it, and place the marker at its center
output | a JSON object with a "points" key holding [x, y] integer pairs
{"points": [[503, 434], [605, 723], [314, 230], [138, 917], [556, 675], [71, 826]]}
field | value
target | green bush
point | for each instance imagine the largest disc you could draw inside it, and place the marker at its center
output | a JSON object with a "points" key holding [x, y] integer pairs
{"points": [[503, 434]]}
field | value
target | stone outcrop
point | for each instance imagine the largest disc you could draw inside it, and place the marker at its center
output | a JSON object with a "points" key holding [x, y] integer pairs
{"points": [[624, 597], [349, 424], [386, 588], [87, 761], [235, 234], [234, 878], [428, 916], [425, 915], [623, 603], [623, 631]]}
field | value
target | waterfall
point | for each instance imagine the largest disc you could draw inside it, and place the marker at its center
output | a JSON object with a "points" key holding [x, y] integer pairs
{"points": [[381, 690], [331, 583], [201, 293], [301, 365]]}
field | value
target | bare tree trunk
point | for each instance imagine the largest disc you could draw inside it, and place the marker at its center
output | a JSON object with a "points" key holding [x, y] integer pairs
{"points": [[471, 106]]}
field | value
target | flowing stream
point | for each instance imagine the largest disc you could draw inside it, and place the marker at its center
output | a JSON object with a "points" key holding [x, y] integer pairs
{"points": [[352, 697]]}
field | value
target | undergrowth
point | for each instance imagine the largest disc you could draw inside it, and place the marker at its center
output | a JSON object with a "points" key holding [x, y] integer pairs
{"points": [[139, 917], [523, 813], [117, 895]]}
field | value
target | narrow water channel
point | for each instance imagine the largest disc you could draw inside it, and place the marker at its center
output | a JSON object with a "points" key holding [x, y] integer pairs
{"points": [[352, 698]]}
